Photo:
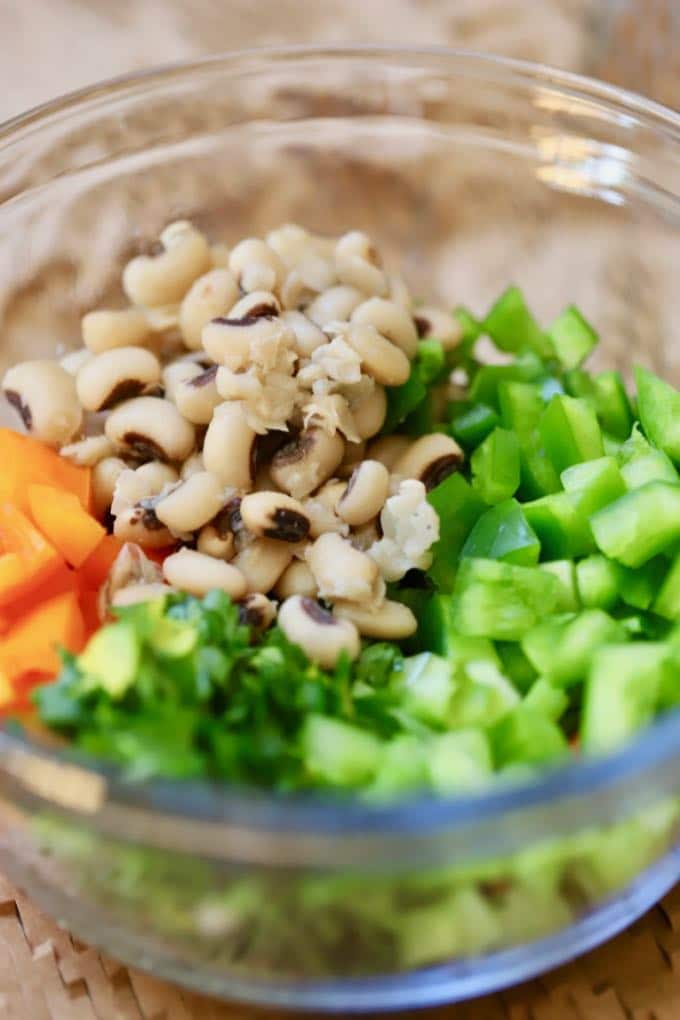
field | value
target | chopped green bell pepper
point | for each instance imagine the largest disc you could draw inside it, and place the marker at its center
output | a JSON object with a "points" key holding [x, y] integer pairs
{"points": [[659, 410], [639, 587], [565, 572], [593, 484], [526, 367], [667, 601], [561, 648], [512, 327], [496, 467], [564, 532], [521, 405], [501, 600], [570, 432], [597, 581], [472, 423], [458, 507], [621, 693], [502, 533], [573, 338], [547, 699], [639, 525], [526, 736]]}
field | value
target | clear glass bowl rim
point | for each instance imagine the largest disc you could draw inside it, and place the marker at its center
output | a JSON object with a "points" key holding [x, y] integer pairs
{"points": [[424, 816]]}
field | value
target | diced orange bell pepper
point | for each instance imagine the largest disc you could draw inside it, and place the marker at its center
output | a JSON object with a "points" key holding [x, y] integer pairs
{"points": [[31, 645], [61, 518], [26, 461], [7, 692], [88, 600], [96, 567], [64, 579], [27, 559]]}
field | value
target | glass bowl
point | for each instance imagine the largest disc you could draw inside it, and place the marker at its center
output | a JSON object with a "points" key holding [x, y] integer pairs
{"points": [[471, 172]]}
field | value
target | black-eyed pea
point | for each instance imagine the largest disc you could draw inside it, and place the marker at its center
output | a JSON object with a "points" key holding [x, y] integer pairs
{"points": [[74, 360], [215, 542], [211, 295], [320, 508], [322, 636], [438, 324], [334, 305], [177, 371], [229, 446], [116, 375], [228, 340], [380, 358], [219, 254], [256, 266], [399, 292], [151, 428], [89, 451], [307, 461], [388, 449], [191, 466], [358, 264], [141, 483], [290, 242], [365, 494], [262, 561], [390, 621], [196, 397], [135, 593], [106, 329], [44, 395], [192, 571], [275, 515], [354, 454], [190, 504], [430, 459], [341, 571], [365, 535], [105, 474], [152, 280], [257, 304], [369, 412], [257, 612], [140, 525], [308, 336], [391, 321], [297, 579]]}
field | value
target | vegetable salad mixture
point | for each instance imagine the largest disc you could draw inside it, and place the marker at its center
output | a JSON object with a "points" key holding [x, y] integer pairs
{"points": [[284, 525]]}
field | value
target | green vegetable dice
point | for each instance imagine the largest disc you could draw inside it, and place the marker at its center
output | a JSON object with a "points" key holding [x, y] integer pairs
{"points": [[501, 600], [337, 753], [512, 327], [572, 337], [593, 484], [563, 531], [621, 693], [561, 649], [570, 432], [496, 466], [502, 533], [640, 524], [458, 507], [659, 410]]}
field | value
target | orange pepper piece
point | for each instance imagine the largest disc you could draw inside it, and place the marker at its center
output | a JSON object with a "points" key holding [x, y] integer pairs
{"points": [[61, 518], [64, 579], [25, 461], [31, 645], [27, 559], [95, 569]]}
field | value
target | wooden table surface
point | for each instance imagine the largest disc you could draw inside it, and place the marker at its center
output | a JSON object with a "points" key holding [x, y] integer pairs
{"points": [[43, 972]]}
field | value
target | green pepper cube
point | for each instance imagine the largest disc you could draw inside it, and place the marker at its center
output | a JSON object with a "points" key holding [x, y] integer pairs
{"points": [[527, 367], [621, 693], [110, 660], [537, 474], [501, 600], [459, 761], [561, 649], [512, 327], [402, 768], [521, 406], [563, 531], [438, 634], [639, 587], [338, 753], [426, 686], [545, 698], [495, 466], [659, 410], [593, 484], [502, 533], [570, 432], [572, 337], [565, 572], [472, 423], [667, 602], [526, 736], [647, 466], [612, 405], [639, 525], [458, 507], [597, 581]]}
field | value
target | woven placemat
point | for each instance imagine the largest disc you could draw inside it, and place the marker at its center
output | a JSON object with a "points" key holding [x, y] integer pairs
{"points": [[45, 974]]}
